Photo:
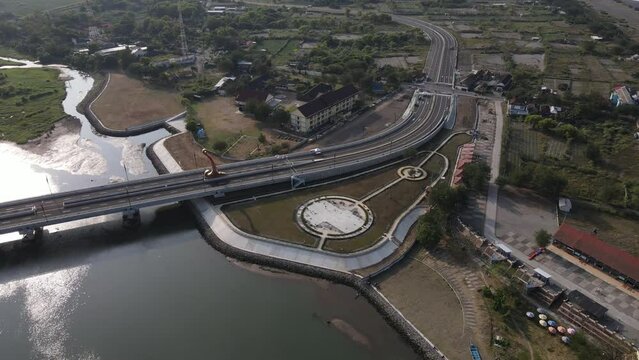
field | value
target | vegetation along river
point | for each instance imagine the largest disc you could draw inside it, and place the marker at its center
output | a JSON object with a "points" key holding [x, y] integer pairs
{"points": [[92, 290]]}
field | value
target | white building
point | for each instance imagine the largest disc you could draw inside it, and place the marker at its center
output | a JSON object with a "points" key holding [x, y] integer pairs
{"points": [[326, 107]]}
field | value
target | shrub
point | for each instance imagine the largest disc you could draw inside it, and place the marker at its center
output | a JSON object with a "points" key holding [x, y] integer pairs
{"points": [[220, 145]]}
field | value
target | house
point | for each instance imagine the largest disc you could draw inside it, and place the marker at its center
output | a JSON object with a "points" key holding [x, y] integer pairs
{"points": [[621, 95], [219, 86], [486, 80], [247, 95], [587, 246], [244, 66], [179, 61], [517, 110], [315, 91], [325, 108], [586, 304]]}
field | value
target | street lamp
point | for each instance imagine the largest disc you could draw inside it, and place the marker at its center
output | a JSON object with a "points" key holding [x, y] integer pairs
{"points": [[126, 185]]}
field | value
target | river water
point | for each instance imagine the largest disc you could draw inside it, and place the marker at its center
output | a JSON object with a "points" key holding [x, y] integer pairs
{"points": [[91, 290]]}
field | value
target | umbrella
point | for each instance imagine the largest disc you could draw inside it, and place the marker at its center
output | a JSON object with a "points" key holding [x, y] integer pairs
{"points": [[541, 310], [561, 329], [571, 331], [552, 330], [543, 323], [543, 317], [530, 315], [552, 323], [565, 339]]}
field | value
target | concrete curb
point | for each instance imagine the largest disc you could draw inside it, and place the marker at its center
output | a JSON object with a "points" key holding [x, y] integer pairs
{"points": [[85, 109]]}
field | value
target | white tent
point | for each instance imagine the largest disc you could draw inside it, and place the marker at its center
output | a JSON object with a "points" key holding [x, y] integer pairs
{"points": [[565, 205]]}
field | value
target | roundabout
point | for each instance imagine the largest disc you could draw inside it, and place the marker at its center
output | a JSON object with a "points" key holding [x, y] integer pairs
{"points": [[412, 173], [334, 217]]}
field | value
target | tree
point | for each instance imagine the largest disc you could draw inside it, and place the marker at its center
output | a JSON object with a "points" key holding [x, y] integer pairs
{"points": [[593, 153], [542, 238], [476, 175], [261, 138], [430, 229], [445, 198], [191, 125], [548, 181], [281, 116], [220, 145]]}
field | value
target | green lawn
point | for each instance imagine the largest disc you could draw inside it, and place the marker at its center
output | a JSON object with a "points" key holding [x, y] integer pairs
{"points": [[285, 54], [30, 103], [272, 46]]}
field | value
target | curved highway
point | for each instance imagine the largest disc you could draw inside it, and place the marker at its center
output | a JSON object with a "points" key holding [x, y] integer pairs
{"points": [[427, 118]]}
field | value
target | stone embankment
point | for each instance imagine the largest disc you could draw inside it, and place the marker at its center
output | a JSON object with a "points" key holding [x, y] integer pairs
{"points": [[362, 285], [84, 107]]}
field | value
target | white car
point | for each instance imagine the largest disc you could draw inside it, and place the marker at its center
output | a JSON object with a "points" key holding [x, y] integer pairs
{"points": [[316, 151]]}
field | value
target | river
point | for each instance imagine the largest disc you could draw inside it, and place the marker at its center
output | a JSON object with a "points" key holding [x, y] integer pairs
{"points": [[92, 290]]}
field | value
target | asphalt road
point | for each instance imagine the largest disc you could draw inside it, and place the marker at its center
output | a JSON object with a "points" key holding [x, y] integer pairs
{"points": [[423, 124]]}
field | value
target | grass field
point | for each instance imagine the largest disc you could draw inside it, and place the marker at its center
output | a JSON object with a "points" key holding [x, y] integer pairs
{"points": [[222, 121], [285, 54], [127, 102], [33, 106], [272, 46], [23, 7]]}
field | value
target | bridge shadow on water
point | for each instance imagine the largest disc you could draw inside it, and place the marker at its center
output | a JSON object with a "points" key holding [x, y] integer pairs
{"points": [[91, 242]]}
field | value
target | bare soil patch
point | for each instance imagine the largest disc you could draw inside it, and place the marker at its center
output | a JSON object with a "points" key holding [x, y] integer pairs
{"points": [[398, 61], [493, 62], [430, 304], [127, 102], [222, 120], [369, 123], [187, 152], [535, 60]]}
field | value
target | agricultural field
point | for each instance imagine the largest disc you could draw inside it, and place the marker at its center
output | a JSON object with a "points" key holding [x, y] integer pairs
{"points": [[535, 37], [24, 7], [30, 104], [127, 102]]}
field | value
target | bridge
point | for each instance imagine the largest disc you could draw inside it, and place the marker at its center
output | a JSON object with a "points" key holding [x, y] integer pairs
{"points": [[425, 120]]}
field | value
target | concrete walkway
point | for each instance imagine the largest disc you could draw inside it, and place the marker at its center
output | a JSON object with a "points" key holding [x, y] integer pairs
{"points": [[493, 188]]}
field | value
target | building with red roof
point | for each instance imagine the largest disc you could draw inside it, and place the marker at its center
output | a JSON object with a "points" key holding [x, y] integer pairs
{"points": [[464, 157], [587, 246]]}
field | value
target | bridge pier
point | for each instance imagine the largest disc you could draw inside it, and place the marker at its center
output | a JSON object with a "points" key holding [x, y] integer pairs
{"points": [[131, 218], [31, 233]]}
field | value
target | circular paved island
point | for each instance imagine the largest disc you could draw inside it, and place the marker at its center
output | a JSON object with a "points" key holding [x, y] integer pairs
{"points": [[334, 217]]}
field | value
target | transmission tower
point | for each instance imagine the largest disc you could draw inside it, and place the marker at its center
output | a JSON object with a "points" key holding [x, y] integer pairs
{"points": [[183, 45]]}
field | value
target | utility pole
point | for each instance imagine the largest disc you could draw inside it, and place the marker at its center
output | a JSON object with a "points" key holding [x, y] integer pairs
{"points": [[48, 185]]}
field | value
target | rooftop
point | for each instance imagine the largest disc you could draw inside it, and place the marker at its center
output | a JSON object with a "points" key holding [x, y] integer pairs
{"points": [[607, 254], [327, 100], [588, 305], [250, 94]]}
